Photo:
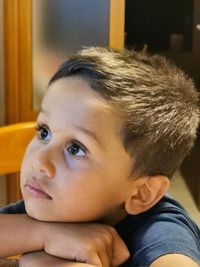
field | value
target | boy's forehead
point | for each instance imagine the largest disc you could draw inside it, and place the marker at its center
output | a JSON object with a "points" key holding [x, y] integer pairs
{"points": [[76, 90], [78, 104]]}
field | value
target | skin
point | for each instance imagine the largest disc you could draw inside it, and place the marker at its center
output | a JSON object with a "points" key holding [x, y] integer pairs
{"points": [[39, 259], [94, 244], [174, 260], [89, 184], [74, 175], [64, 170]]}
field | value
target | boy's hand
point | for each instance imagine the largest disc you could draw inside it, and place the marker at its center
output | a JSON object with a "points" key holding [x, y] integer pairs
{"points": [[90, 243]]}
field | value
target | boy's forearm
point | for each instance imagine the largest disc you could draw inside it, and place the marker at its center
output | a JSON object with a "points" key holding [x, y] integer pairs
{"points": [[41, 259], [84, 242], [20, 234]]}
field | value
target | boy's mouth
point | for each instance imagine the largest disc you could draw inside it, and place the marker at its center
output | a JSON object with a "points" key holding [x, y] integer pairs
{"points": [[35, 190]]}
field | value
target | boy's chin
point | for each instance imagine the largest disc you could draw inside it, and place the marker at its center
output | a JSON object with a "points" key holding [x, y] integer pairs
{"points": [[36, 213], [39, 215]]}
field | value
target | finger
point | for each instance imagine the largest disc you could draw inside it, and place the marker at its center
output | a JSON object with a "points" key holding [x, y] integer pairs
{"points": [[93, 259], [120, 251], [105, 256]]}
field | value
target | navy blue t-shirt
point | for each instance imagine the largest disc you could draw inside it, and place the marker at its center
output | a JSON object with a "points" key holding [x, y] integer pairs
{"points": [[164, 229]]}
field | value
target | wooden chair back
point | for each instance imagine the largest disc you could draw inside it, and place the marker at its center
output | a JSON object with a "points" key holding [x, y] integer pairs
{"points": [[13, 142]]}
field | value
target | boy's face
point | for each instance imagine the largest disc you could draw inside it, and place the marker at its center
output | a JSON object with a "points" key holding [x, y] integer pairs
{"points": [[76, 168]]}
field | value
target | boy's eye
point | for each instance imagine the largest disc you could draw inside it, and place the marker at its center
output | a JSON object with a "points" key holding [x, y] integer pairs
{"points": [[76, 150], [43, 132]]}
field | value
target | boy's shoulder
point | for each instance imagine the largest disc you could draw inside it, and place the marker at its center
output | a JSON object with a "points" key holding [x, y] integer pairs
{"points": [[165, 229], [14, 208]]}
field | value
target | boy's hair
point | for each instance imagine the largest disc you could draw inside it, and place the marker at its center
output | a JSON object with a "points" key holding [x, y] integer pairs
{"points": [[158, 103]]}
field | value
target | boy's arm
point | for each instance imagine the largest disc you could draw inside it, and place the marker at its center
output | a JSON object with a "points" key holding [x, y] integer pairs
{"points": [[91, 243], [41, 259], [174, 260], [19, 234]]}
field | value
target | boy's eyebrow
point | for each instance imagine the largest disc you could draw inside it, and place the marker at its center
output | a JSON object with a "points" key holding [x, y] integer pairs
{"points": [[89, 133], [85, 131]]}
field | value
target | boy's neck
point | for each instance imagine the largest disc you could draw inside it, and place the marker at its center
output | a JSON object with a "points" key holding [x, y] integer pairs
{"points": [[114, 217]]}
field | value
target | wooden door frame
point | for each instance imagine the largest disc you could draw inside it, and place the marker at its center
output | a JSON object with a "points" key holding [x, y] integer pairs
{"points": [[18, 72], [117, 24], [18, 60], [18, 64]]}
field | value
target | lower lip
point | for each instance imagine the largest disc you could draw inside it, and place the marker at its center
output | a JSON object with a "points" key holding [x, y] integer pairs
{"points": [[36, 192]]}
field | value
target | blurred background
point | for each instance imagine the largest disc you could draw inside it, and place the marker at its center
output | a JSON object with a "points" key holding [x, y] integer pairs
{"points": [[36, 36]]}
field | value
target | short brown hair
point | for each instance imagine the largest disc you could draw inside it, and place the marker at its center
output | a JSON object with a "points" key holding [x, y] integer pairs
{"points": [[158, 101]]}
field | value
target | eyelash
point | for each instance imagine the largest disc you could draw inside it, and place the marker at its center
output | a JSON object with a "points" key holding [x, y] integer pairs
{"points": [[68, 147], [39, 129], [75, 145]]}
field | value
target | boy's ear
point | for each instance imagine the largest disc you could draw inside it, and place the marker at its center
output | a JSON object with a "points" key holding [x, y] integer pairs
{"points": [[145, 193]]}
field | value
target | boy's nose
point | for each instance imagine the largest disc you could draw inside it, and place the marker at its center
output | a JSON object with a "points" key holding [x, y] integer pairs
{"points": [[43, 165]]}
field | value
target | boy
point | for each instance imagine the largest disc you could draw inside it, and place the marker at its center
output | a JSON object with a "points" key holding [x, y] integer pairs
{"points": [[112, 129]]}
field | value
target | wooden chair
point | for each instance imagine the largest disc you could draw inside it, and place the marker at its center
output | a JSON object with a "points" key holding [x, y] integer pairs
{"points": [[13, 142]]}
